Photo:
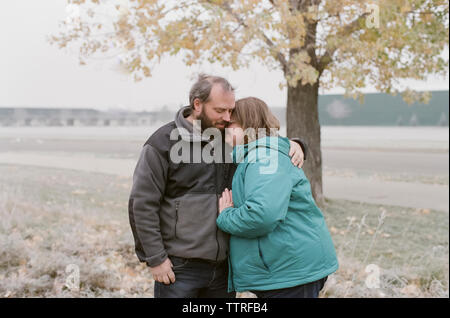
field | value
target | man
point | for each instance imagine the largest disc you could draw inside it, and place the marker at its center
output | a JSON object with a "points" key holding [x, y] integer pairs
{"points": [[173, 205]]}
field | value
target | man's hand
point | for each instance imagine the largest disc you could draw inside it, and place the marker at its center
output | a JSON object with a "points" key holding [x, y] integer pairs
{"points": [[296, 154], [163, 273], [226, 200]]}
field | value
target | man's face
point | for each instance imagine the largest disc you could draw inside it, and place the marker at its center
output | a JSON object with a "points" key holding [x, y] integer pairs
{"points": [[217, 111]]}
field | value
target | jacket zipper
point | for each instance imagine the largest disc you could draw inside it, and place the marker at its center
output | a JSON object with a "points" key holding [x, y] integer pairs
{"points": [[217, 212], [177, 203]]}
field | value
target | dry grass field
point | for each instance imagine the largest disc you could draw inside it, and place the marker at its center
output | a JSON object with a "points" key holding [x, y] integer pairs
{"points": [[51, 218]]}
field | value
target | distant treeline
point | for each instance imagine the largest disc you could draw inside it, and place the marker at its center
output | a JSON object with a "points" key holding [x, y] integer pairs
{"points": [[379, 110]]}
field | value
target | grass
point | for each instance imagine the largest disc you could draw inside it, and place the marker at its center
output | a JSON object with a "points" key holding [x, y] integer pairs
{"points": [[395, 177], [409, 246], [51, 218]]}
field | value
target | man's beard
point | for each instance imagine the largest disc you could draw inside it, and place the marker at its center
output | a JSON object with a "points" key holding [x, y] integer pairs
{"points": [[206, 123]]}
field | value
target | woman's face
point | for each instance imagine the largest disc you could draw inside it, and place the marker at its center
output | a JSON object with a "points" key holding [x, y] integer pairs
{"points": [[234, 134]]}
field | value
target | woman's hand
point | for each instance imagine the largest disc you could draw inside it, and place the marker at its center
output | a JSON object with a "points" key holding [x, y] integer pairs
{"points": [[226, 200]]}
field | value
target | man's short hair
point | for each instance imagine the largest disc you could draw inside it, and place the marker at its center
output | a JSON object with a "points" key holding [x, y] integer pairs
{"points": [[202, 88]]}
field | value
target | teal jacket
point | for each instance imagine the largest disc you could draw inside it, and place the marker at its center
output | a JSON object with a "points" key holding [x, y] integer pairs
{"points": [[279, 237]]}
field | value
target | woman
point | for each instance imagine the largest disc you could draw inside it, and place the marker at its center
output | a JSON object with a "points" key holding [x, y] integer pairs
{"points": [[280, 245]]}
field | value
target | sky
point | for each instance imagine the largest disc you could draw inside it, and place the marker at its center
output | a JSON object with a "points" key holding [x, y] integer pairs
{"points": [[34, 73]]}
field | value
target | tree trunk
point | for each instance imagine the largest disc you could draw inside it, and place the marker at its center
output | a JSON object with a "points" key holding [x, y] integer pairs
{"points": [[303, 122]]}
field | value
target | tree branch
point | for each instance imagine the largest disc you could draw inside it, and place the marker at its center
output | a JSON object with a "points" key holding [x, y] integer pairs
{"points": [[327, 57], [279, 56]]}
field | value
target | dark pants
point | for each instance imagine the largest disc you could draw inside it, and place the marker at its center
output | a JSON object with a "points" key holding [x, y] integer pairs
{"points": [[196, 279], [310, 290]]}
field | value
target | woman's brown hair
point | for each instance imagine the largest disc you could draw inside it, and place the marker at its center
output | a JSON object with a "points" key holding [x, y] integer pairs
{"points": [[253, 113]]}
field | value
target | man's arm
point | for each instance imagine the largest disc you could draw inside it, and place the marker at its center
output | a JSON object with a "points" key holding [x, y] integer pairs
{"points": [[297, 152], [149, 182], [302, 145]]}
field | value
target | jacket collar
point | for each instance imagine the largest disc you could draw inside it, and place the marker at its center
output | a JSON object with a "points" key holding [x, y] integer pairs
{"points": [[247, 153], [188, 131]]}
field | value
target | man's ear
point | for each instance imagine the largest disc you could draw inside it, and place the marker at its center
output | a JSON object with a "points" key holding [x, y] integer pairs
{"points": [[198, 106]]}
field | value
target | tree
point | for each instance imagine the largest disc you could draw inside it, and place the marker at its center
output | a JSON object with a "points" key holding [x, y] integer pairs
{"points": [[316, 43]]}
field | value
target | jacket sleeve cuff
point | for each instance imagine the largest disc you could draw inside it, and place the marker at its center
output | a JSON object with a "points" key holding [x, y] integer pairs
{"points": [[157, 259], [220, 219], [302, 145]]}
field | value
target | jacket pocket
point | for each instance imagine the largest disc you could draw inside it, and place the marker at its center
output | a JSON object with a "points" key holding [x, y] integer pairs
{"points": [[261, 256], [178, 262]]}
